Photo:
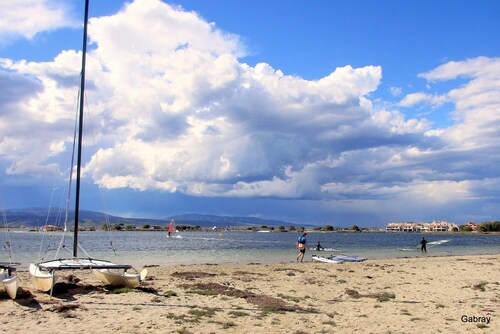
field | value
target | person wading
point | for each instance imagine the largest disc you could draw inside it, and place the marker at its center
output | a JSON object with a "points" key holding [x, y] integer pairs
{"points": [[423, 245], [301, 246]]}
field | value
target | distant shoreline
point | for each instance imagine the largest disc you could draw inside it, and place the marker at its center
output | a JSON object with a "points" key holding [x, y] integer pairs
{"points": [[236, 229]]}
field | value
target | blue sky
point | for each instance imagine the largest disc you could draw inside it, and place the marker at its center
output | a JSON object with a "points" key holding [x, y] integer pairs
{"points": [[323, 112]]}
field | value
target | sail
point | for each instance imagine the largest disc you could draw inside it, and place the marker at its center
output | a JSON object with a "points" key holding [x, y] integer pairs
{"points": [[172, 228]]}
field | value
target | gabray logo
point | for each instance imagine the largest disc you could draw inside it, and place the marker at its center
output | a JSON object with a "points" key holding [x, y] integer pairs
{"points": [[465, 318]]}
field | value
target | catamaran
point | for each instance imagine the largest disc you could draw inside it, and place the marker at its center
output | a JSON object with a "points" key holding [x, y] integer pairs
{"points": [[44, 273], [8, 269]]}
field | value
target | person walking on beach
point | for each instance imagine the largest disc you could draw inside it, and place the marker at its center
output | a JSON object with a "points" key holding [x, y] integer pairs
{"points": [[423, 245], [301, 246]]}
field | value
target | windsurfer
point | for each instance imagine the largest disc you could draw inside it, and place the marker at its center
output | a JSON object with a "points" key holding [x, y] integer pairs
{"points": [[171, 228]]}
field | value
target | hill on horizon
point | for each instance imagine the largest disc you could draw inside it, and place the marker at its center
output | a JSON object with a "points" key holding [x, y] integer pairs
{"points": [[37, 217]]}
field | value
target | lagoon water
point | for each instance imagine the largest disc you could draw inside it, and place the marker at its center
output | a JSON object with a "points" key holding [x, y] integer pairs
{"points": [[155, 248]]}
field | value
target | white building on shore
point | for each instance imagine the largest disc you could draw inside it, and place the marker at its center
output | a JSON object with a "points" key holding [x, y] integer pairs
{"points": [[435, 226]]}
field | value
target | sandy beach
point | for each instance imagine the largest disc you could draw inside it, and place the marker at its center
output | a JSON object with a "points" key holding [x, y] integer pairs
{"points": [[454, 294]]}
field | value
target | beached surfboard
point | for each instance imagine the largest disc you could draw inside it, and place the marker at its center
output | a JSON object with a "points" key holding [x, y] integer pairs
{"points": [[324, 259]]}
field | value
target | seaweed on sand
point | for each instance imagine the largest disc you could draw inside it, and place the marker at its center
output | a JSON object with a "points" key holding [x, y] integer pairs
{"points": [[191, 275], [262, 301], [380, 296], [65, 309]]}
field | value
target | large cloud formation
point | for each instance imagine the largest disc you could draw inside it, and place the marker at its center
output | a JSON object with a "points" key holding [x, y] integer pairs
{"points": [[173, 108]]}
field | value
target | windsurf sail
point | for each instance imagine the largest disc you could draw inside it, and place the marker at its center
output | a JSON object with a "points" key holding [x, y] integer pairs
{"points": [[347, 258], [172, 228], [435, 243]]}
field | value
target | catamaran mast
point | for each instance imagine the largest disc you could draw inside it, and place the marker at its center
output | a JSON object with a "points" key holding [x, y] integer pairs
{"points": [[80, 130]]}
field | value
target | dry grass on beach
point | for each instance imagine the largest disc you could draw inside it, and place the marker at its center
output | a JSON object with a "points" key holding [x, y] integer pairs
{"points": [[406, 295]]}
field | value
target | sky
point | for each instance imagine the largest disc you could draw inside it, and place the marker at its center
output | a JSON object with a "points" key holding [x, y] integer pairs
{"points": [[312, 112]]}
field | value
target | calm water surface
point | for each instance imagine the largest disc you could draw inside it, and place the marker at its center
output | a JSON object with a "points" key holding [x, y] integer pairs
{"points": [[155, 248]]}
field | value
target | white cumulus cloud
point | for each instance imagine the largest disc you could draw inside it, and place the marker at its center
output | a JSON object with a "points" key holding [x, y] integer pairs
{"points": [[417, 98], [173, 108], [26, 18]]}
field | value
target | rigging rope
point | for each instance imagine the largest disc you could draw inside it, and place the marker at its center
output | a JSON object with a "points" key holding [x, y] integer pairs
{"points": [[8, 244], [58, 216], [46, 223], [103, 197]]}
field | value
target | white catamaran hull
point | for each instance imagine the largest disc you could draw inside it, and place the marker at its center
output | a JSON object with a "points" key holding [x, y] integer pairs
{"points": [[10, 283], [110, 273], [118, 277], [43, 280]]}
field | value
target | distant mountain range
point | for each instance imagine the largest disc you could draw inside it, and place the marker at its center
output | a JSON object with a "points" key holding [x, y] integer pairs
{"points": [[224, 221], [37, 217]]}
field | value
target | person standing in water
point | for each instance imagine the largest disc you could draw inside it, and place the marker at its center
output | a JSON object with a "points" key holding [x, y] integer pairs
{"points": [[301, 246], [423, 245], [319, 247]]}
